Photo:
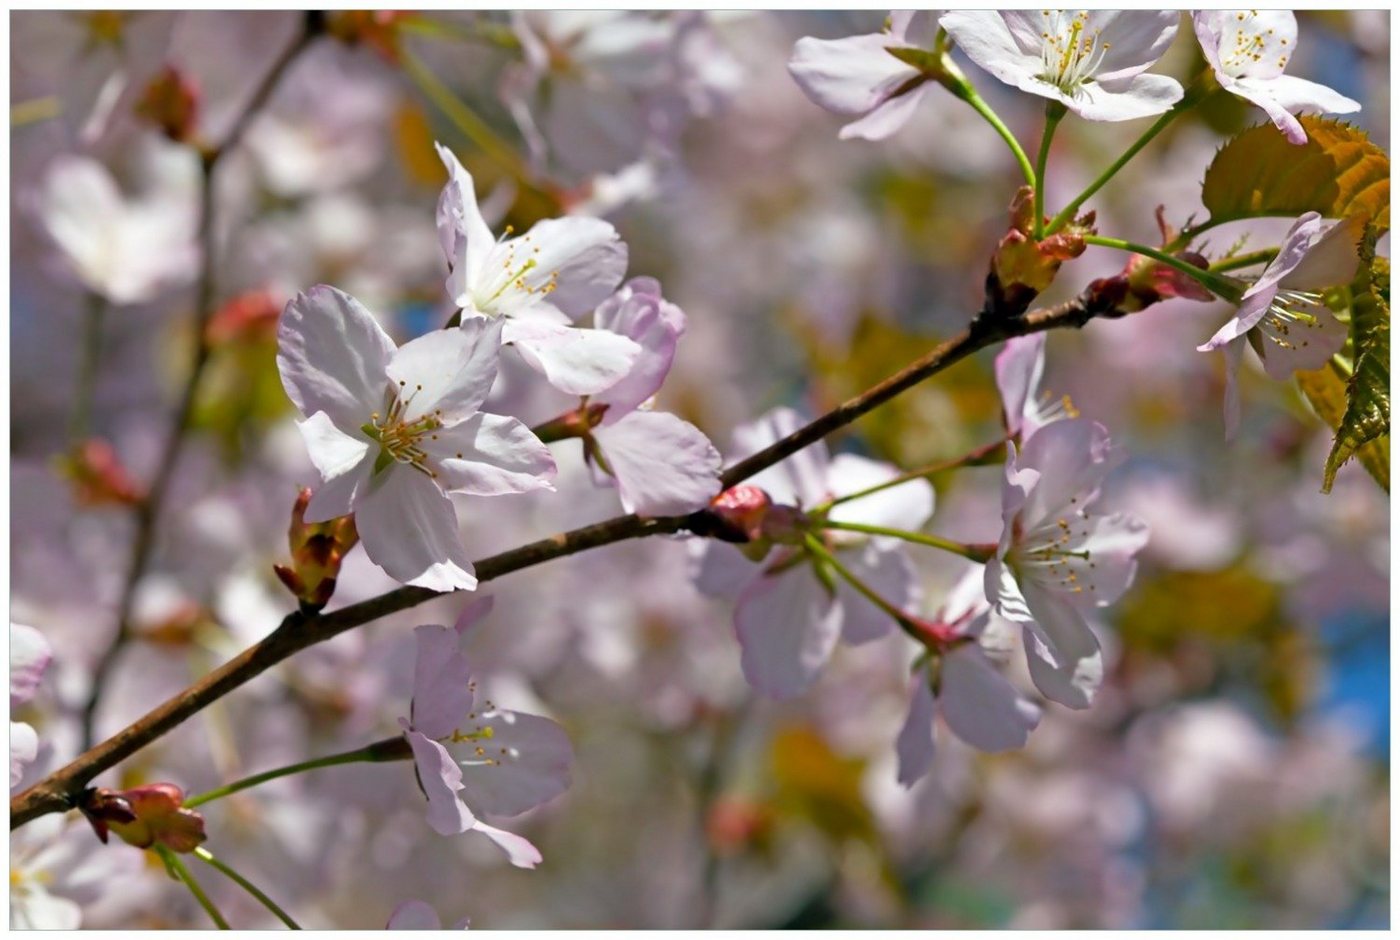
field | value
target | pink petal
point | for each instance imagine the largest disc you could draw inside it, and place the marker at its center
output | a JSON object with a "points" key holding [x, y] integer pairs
{"points": [[664, 466], [450, 371], [409, 528], [575, 361], [490, 455], [332, 355], [914, 746], [787, 625]]}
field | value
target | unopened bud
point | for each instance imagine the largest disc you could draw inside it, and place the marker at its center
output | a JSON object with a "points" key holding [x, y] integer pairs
{"points": [[98, 477], [144, 816], [249, 317], [1023, 267], [735, 515], [171, 103], [378, 29], [318, 548]]}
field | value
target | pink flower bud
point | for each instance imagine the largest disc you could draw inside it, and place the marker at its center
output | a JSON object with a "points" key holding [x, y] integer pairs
{"points": [[171, 102], [317, 551], [1023, 267], [98, 477], [144, 816]]}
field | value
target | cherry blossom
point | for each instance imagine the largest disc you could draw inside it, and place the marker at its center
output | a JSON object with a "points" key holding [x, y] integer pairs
{"points": [[1248, 51], [1094, 62], [538, 284], [392, 431], [788, 617], [30, 655], [1019, 367], [1055, 560], [127, 250], [978, 703], [501, 762], [1282, 314], [661, 464], [860, 75]]}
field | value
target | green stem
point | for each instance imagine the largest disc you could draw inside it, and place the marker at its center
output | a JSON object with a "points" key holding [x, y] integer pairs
{"points": [[205, 855], [1188, 101], [815, 546], [1217, 285], [978, 553], [35, 110], [1054, 113], [1262, 256], [389, 749], [466, 120], [951, 78], [971, 459], [178, 869], [80, 422], [495, 34]]}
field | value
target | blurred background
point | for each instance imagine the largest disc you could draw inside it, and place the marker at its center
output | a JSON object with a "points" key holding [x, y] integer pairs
{"points": [[1234, 770]]}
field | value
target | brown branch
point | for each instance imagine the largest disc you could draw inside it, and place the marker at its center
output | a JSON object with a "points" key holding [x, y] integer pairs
{"points": [[56, 792], [148, 510]]}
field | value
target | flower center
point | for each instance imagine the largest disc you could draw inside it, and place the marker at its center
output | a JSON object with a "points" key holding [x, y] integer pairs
{"points": [[1069, 53], [1291, 314], [480, 736], [399, 437], [1045, 554], [519, 260], [1245, 46]]}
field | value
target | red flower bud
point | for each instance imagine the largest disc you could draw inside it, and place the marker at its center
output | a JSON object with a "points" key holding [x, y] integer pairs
{"points": [[378, 29], [144, 816], [98, 477], [171, 103], [248, 318], [318, 549]]}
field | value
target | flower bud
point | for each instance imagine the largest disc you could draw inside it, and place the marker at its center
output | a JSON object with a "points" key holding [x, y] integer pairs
{"points": [[317, 551], [144, 816], [377, 29], [171, 103], [1023, 267], [98, 477], [248, 318], [735, 515], [1145, 281]]}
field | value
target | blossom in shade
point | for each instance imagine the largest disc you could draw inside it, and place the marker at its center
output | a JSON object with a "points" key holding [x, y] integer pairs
{"points": [[392, 431], [1248, 50], [960, 682], [660, 464], [30, 655], [1019, 367], [860, 76], [420, 915], [1094, 62], [789, 613], [1282, 314], [1055, 560], [500, 762], [537, 284]]}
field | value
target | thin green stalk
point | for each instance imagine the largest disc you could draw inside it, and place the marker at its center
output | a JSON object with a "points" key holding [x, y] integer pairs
{"points": [[35, 110], [178, 869], [379, 751], [1188, 101], [496, 34], [815, 546], [1216, 284], [951, 78], [1054, 113], [205, 855], [466, 120], [971, 458], [972, 552], [1262, 256], [80, 423]]}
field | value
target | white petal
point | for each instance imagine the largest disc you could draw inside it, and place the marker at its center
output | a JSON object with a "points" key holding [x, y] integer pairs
{"points": [[986, 37], [907, 506], [719, 569], [409, 529], [787, 625], [332, 355], [1141, 96], [521, 851], [664, 466], [980, 706], [886, 570], [344, 463], [1004, 592], [639, 312], [580, 262], [851, 75], [533, 761], [30, 655], [799, 479], [1299, 94], [490, 455], [448, 370], [79, 206], [441, 779], [1329, 259], [914, 746], [442, 694], [1073, 458], [24, 747], [1247, 43], [1262, 95], [1304, 347], [575, 361], [464, 235], [886, 119], [1133, 40], [1019, 367], [1061, 650]]}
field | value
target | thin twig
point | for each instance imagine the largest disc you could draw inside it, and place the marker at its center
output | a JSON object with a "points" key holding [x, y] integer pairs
{"points": [[56, 792], [148, 510]]}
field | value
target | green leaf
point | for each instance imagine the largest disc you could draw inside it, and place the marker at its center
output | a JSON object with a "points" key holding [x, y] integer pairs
{"points": [[1367, 416], [1339, 172]]}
